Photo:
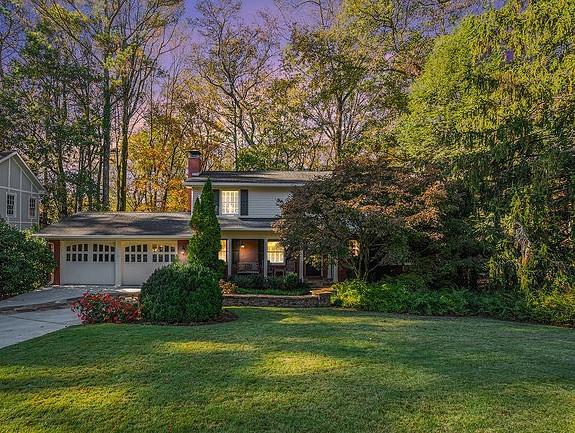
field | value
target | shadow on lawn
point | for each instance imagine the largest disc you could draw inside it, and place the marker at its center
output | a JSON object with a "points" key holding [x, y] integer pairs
{"points": [[293, 370]]}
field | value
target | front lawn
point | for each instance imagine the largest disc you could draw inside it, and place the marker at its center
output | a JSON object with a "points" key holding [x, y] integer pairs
{"points": [[293, 370]]}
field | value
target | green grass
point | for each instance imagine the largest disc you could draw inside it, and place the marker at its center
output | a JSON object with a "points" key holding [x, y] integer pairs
{"points": [[287, 370], [278, 292]]}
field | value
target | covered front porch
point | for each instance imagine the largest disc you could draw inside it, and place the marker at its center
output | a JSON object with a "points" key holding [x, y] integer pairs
{"points": [[267, 257]]}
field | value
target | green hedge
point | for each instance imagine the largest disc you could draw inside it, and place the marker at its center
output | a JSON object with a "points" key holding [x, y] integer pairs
{"points": [[181, 293], [286, 283], [405, 295], [25, 261]]}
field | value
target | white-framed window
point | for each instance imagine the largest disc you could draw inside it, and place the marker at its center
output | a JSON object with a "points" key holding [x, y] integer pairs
{"points": [[223, 253], [136, 253], [32, 208], [77, 253], [103, 253], [229, 202], [163, 253], [275, 252], [10, 204]]}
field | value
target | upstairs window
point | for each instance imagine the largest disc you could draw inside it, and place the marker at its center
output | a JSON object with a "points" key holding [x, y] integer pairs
{"points": [[32, 208], [229, 202], [10, 203], [275, 252]]}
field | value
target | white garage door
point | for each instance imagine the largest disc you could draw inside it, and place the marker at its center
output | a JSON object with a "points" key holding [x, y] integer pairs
{"points": [[141, 259], [89, 263]]}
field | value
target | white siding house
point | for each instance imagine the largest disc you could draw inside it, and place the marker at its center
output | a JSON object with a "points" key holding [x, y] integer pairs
{"points": [[124, 248]]}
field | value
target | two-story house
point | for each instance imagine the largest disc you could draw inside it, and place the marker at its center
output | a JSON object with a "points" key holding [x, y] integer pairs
{"points": [[124, 248], [20, 191]]}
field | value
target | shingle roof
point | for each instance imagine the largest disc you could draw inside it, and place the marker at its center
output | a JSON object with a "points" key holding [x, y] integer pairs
{"points": [[275, 177], [5, 153], [136, 224]]}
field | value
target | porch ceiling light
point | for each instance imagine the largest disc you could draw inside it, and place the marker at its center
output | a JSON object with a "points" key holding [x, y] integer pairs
{"points": [[242, 244]]}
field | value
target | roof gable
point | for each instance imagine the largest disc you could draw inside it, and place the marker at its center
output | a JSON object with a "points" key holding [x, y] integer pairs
{"points": [[4, 156]]}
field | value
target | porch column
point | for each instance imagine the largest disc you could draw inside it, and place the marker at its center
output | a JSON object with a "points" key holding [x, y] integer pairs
{"points": [[335, 272], [118, 264], [301, 271], [265, 258], [229, 256]]}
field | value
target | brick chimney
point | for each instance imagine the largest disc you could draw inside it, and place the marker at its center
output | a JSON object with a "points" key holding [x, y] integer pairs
{"points": [[194, 163]]}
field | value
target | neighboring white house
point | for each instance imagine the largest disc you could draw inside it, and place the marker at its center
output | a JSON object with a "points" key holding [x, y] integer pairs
{"points": [[124, 248], [20, 191]]}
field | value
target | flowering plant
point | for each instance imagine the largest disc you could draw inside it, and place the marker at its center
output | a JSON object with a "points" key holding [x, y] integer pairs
{"points": [[105, 308]]}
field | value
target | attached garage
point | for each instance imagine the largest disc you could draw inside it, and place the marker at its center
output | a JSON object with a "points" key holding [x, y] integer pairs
{"points": [[84, 262]]}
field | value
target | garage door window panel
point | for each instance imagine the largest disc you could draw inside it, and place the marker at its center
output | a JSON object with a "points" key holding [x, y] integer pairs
{"points": [[136, 253], [102, 253], [77, 253], [163, 253]]}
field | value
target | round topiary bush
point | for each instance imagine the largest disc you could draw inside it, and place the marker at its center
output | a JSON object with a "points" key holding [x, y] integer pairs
{"points": [[181, 293]]}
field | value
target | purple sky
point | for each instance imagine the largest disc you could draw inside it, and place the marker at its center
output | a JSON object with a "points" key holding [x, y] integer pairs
{"points": [[249, 8]]}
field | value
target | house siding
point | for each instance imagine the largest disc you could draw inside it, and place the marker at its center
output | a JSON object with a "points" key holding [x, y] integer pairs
{"points": [[14, 179], [262, 201]]}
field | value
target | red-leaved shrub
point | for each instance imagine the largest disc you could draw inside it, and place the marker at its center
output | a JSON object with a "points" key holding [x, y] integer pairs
{"points": [[104, 308]]}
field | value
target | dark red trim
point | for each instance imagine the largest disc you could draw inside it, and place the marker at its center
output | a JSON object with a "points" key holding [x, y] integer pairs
{"points": [[56, 250]]}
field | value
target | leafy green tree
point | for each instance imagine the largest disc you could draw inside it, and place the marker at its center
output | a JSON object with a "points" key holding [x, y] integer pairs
{"points": [[495, 107], [369, 215], [206, 237], [25, 261]]}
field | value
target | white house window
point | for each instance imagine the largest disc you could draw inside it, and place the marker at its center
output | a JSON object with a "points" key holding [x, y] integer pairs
{"points": [[163, 253], [275, 252], [223, 253], [32, 208], [10, 202], [229, 202]]}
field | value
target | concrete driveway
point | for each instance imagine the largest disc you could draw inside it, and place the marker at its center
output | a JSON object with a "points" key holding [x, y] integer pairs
{"points": [[17, 327], [45, 310]]}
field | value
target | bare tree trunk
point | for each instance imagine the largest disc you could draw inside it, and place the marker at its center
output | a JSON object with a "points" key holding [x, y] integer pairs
{"points": [[106, 139], [123, 172]]}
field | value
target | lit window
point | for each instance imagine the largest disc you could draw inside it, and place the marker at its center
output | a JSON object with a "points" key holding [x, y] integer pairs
{"points": [[354, 248], [229, 202], [223, 253], [32, 209], [10, 201], [275, 252]]}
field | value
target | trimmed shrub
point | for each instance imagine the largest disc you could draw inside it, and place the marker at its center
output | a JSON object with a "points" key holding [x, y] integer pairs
{"points": [[25, 261], [286, 283], [181, 293], [257, 282], [401, 295], [289, 282], [104, 308]]}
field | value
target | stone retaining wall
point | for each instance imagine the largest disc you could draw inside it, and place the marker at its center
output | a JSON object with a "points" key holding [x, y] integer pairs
{"points": [[306, 301]]}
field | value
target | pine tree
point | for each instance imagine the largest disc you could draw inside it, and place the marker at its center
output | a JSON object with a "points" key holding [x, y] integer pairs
{"points": [[204, 245]]}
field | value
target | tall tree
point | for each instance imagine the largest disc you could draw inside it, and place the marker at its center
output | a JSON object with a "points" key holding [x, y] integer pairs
{"points": [[204, 244], [145, 33], [496, 109], [235, 59]]}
